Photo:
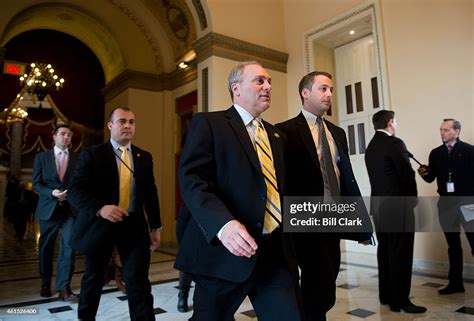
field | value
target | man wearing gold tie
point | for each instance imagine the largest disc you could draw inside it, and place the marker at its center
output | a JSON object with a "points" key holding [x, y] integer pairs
{"points": [[230, 176], [113, 187]]}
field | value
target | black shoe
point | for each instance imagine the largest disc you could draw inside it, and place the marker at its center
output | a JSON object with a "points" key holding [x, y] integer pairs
{"points": [[449, 289], [67, 295], [45, 291], [411, 308], [384, 301], [183, 301]]}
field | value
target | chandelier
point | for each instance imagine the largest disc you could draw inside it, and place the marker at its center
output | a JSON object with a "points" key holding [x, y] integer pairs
{"points": [[41, 80]]}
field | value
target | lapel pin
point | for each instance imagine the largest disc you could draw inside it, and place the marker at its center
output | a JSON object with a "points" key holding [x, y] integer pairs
{"points": [[276, 135], [138, 154]]}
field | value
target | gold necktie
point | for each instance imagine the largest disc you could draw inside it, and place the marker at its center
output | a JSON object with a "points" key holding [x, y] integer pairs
{"points": [[125, 179], [273, 207]]}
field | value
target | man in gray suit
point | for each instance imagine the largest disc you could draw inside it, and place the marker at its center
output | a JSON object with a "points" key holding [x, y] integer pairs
{"points": [[52, 174]]}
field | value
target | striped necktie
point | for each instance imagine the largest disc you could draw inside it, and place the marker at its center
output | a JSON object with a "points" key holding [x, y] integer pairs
{"points": [[125, 179], [272, 217]]}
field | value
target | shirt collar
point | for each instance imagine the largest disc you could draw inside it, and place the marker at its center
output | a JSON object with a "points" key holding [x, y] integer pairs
{"points": [[58, 150], [244, 114], [452, 145], [384, 131], [116, 145], [310, 117]]}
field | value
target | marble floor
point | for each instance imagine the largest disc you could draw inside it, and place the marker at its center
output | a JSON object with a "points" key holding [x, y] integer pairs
{"points": [[357, 297]]}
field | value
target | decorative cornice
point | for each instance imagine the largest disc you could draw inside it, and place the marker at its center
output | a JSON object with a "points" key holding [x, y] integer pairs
{"points": [[151, 82], [214, 44]]}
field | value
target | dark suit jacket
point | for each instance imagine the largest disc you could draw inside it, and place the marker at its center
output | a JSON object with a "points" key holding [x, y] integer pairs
{"points": [[460, 162], [303, 171], [96, 183], [221, 180], [46, 179], [392, 180]]}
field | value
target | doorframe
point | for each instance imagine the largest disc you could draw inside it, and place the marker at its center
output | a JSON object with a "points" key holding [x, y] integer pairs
{"points": [[369, 9]]}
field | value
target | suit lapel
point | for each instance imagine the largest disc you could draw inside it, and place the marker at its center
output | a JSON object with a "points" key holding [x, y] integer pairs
{"points": [[70, 167], [235, 121], [337, 139], [111, 164], [51, 161], [137, 158], [305, 134]]}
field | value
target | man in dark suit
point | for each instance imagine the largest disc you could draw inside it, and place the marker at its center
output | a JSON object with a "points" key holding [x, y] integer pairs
{"points": [[52, 172], [233, 244], [452, 165], [113, 187], [393, 190], [308, 174]]}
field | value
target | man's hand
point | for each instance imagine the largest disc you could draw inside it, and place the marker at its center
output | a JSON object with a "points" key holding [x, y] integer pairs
{"points": [[423, 170], [61, 196], [112, 213], [155, 240], [237, 240]]}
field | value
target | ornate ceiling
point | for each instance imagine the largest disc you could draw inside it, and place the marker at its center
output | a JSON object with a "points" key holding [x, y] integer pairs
{"points": [[148, 36]]}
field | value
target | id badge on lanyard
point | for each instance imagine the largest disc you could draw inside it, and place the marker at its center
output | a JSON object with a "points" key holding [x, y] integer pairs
{"points": [[450, 185]]}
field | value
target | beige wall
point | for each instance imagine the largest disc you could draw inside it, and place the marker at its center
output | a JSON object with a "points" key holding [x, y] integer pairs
{"points": [[259, 22], [429, 55], [430, 58]]}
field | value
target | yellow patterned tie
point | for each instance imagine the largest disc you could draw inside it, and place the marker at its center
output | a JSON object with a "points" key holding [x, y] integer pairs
{"points": [[125, 179], [273, 207]]}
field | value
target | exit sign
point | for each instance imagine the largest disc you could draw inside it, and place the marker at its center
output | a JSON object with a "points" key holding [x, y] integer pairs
{"points": [[14, 68]]}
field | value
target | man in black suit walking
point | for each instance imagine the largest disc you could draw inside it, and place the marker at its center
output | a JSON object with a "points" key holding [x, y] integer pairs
{"points": [[113, 187], [52, 172], [452, 165], [231, 180], [310, 173], [393, 190]]}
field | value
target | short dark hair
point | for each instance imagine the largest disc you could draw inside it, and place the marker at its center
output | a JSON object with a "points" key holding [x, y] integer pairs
{"points": [[308, 80], [116, 108], [381, 118], [61, 126], [456, 123]]}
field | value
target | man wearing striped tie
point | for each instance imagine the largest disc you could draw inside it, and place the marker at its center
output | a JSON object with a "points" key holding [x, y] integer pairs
{"points": [[231, 177]]}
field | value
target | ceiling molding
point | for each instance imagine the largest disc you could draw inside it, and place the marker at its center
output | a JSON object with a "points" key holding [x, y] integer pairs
{"points": [[155, 47], [214, 44], [150, 82]]}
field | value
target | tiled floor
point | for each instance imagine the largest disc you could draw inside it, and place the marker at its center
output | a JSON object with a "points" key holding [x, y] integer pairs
{"points": [[357, 297]]}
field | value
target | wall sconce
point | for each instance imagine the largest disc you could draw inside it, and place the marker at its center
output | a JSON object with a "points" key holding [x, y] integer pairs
{"points": [[186, 59]]}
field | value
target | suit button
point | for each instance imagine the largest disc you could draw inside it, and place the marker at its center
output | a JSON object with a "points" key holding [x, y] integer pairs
{"points": [[259, 224], [264, 197]]}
